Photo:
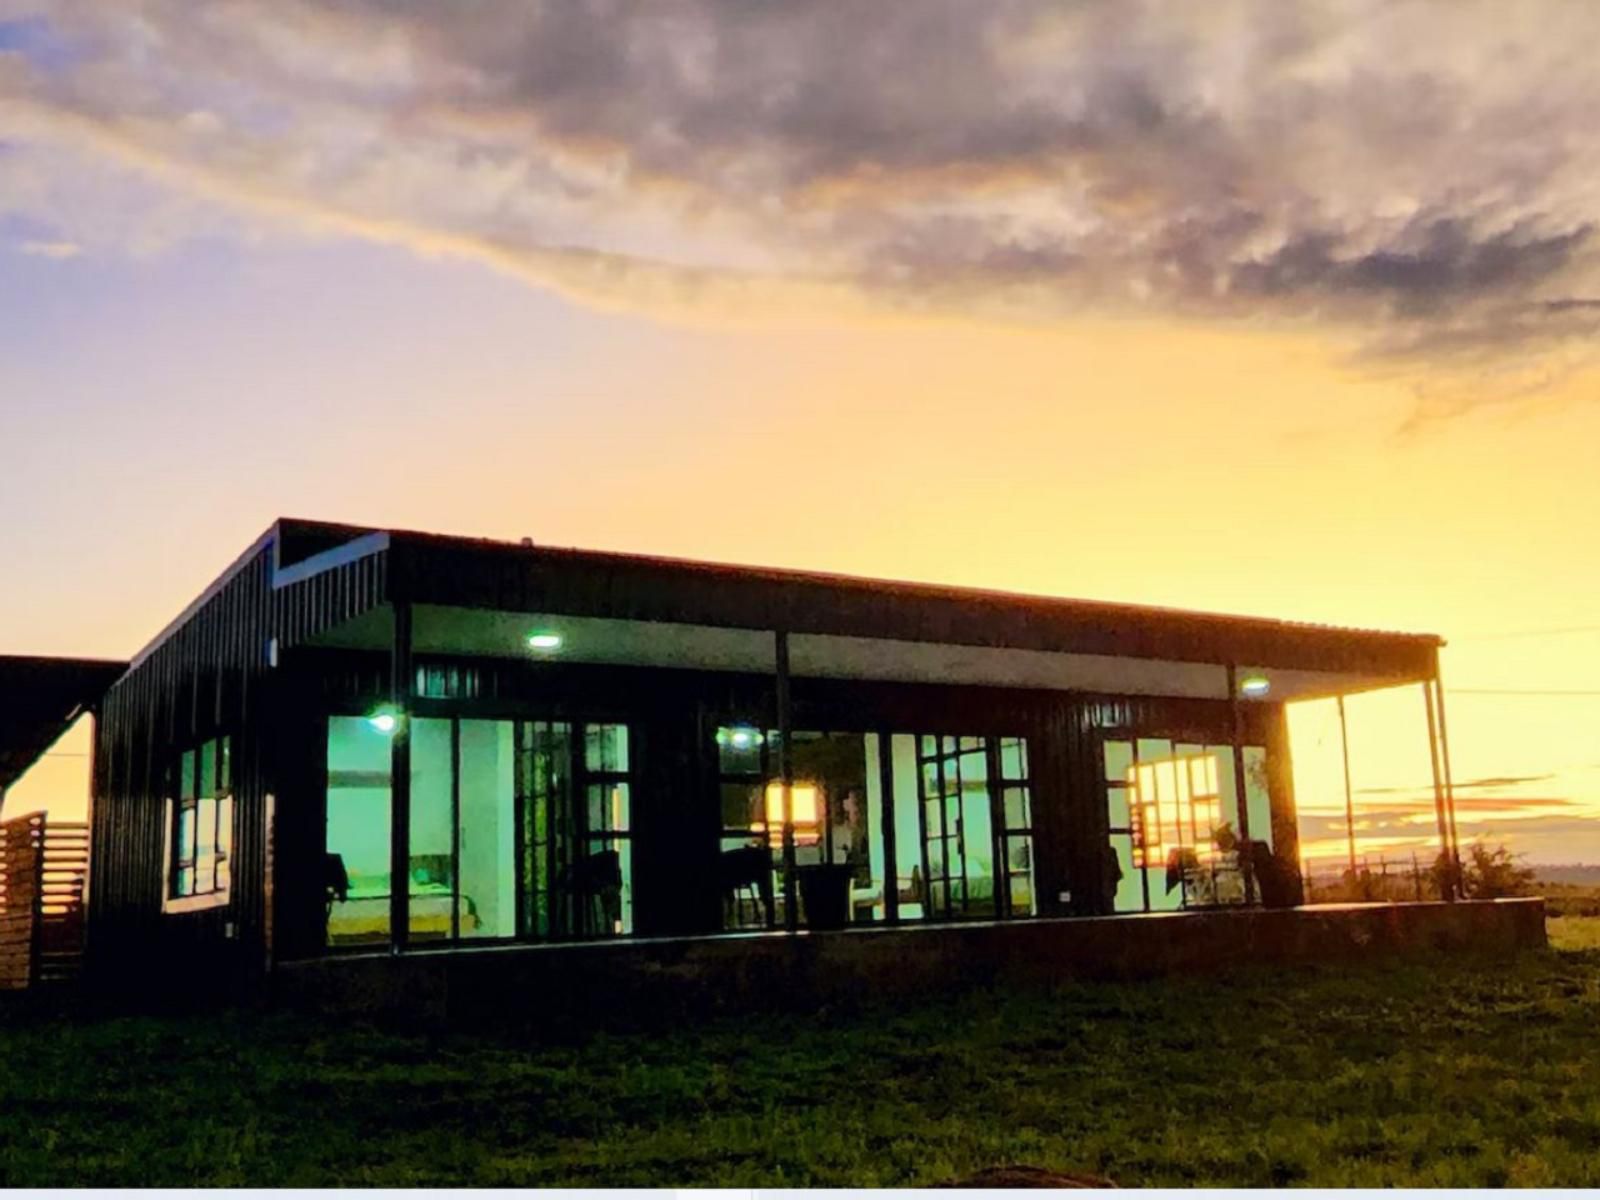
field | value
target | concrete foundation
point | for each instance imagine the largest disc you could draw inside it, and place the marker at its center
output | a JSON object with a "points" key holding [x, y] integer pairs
{"points": [[667, 981]]}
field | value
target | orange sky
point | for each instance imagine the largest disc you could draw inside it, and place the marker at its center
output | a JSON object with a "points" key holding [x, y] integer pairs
{"points": [[1233, 470], [1252, 307]]}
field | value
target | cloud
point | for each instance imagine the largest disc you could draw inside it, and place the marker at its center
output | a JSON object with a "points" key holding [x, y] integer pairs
{"points": [[1419, 180], [1544, 828], [1460, 785], [51, 249]]}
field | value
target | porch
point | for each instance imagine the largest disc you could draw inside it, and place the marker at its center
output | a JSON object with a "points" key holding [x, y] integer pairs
{"points": [[664, 981]]}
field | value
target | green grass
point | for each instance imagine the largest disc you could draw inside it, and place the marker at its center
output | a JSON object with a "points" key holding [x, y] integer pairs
{"points": [[1574, 933], [1436, 1073]]}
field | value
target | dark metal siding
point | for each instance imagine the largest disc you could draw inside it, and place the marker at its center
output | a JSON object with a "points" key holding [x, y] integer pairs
{"points": [[209, 675]]}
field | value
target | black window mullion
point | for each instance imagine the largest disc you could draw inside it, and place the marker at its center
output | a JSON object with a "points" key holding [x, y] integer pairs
{"points": [[922, 826], [998, 834], [455, 829]]}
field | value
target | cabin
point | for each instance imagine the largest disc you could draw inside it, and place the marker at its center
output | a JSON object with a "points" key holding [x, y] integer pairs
{"points": [[374, 746]]}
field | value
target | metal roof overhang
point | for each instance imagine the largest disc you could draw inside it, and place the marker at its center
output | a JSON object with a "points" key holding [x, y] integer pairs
{"points": [[39, 699], [443, 630], [482, 598]]}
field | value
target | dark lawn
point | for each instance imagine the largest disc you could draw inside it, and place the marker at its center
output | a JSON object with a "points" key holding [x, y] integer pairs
{"points": [[1432, 1074]]}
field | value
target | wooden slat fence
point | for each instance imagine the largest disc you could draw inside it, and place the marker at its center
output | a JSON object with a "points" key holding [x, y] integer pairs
{"points": [[42, 871]]}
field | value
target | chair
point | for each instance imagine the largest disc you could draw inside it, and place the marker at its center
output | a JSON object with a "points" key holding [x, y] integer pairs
{"points": [[747, 869], [595, 882]]}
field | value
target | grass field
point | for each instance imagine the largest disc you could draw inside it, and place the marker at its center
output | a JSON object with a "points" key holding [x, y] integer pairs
{"points": [[1428, 1074]]}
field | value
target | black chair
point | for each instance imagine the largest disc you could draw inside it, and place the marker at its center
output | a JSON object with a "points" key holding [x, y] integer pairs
{"points": [[747, 869], [595, 882]]}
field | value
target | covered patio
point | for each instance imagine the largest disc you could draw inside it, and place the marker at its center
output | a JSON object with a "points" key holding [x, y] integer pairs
{"points": [[467, 625]]}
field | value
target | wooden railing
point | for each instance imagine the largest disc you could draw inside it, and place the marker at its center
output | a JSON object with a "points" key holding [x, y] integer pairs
{"points": [[42, 869]]}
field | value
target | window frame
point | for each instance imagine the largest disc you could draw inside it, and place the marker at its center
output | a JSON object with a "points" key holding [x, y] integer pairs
{"points": [[183, 889]]}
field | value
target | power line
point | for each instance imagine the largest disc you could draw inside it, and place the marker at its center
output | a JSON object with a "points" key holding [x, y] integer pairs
{"points": [[1455, 691], [1504, 635]]}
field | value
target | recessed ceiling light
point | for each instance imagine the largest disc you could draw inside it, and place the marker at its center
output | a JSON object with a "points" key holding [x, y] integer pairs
{"points": [[544, 640], [1254, 686]]}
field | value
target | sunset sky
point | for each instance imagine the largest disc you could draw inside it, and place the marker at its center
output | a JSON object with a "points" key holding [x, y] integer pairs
{"points": [[1262, 308]]}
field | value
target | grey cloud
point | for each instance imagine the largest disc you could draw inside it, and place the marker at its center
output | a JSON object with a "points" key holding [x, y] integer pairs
{"points": [[1421, 178]]}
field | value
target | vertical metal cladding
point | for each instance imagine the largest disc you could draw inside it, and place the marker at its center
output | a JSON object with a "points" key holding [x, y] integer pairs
{"points": [[209, 675]]}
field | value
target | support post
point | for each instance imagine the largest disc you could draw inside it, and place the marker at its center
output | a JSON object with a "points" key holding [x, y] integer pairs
{"points": [[1448, 881], [1349, 796], [400, 780], [891, 851], [1241, 795], [1449, 783], [791, 911]]}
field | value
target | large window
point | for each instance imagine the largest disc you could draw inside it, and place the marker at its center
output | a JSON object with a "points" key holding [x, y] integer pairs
{"points": [[200, 825], [486, 900], [356, 876], [1019, 889], [517, 829], [953, 836], [1173, 814], [836, 813], [605, 867], [752, 840], [977, 827]]}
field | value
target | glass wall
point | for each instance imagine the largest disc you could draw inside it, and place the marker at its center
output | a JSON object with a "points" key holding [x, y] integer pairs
{"points": [[357, 836], [517, 829], [1173, 815], [837, 814], [606, 901], [547, 825], [835, 825], [977, 826], [1019, 897], [750, 859], [960, 810], [486, 905], [910, 862], [432, 873]]}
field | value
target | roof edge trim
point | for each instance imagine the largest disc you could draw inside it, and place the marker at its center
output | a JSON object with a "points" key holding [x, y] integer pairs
{"points": [[326, 560]]}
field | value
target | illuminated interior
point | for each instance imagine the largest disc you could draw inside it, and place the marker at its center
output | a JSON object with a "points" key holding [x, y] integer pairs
{"points": [[517, 829], [806, 817], [1174, 821], [199, 810], [960, 810]]}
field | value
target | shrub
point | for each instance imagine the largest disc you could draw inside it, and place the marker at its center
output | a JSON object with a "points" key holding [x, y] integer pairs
{"points": [[1489, 874]]}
